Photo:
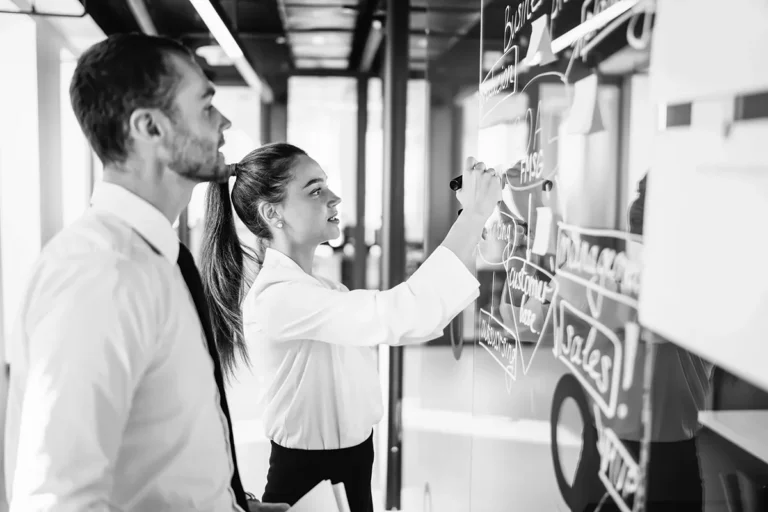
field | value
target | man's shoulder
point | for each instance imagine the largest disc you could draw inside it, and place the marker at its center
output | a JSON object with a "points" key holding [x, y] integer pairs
{"points": [[100, 237], [95, 251]]}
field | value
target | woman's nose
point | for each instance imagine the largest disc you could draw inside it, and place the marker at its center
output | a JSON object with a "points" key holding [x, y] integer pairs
{"points": [[334, 200]]}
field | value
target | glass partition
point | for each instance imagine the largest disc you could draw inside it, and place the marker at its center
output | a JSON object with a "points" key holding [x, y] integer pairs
{"points": [[603, 366], [558, 347], [535, 399]]}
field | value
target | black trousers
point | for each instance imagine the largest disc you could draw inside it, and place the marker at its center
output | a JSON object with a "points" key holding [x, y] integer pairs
{"points": [[293, 473]]}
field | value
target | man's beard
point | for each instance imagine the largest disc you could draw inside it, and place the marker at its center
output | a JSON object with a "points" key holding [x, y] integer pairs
{"points": [[196, 159]]}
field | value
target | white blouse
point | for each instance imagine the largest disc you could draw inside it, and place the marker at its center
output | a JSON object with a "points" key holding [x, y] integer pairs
{"points": [[317, 337]]}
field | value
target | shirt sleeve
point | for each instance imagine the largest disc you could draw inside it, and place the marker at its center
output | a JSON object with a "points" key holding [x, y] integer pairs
{"points": [[90, 332], [414, 311]]}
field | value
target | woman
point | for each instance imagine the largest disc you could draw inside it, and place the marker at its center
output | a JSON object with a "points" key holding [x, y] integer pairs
{"points": [[325, 397]]}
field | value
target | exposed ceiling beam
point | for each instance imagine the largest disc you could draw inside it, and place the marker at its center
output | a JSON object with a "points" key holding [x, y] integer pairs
{"points": [[228, 76], [362, 34], [414, 74], [261, 36], [281, 11], [320, 6], [328, 72], [414, 8]]}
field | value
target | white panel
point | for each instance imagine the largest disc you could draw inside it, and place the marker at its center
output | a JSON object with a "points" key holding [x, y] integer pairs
{"points": [[705, 286], [708, 48]]}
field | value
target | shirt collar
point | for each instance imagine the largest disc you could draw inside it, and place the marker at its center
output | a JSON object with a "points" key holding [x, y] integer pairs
{"points": [[273, 257], [140, 215]]}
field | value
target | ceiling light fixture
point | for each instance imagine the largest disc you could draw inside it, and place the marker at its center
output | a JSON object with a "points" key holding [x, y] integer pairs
{"points": [[592, 24], [228, 43]]}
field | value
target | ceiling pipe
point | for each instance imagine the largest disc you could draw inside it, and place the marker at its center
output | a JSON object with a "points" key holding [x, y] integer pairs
{"points": [[372, 45], [220, 32], [139, 10], [231, 47], [366, 37]]}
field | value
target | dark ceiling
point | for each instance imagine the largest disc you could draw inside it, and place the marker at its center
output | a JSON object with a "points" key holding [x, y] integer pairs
{"points": [[288, 37], [337, 37]]}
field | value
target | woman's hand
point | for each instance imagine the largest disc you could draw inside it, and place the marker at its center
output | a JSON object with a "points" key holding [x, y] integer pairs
{"points": [[479, 193], [480, 189], [257, 506]]}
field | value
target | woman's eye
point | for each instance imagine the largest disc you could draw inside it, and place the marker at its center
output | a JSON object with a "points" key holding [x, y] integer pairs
{"points": [[315, 192]]}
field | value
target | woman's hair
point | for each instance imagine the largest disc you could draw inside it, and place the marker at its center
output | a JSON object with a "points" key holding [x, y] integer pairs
{"points": [[260, 177]]}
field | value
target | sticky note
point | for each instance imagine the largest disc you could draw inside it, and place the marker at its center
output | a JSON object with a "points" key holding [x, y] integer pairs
{"points": [[543, 241]]}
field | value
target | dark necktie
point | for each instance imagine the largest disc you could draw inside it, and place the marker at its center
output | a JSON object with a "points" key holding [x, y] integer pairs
{"points": [[195, 285]]}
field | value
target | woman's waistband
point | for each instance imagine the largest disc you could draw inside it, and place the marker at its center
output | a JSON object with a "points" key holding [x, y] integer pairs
{"points": [[363, 447]]}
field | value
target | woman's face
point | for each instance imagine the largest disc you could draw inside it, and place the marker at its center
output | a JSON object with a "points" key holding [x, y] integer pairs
{"points": [[309, 211]]}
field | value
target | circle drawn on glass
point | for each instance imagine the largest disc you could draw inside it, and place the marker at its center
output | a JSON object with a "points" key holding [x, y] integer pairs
{"points": [[575, 491], [457, 336]]}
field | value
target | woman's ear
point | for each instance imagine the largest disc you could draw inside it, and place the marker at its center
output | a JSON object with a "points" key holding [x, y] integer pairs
{"points": [[270, 214]]}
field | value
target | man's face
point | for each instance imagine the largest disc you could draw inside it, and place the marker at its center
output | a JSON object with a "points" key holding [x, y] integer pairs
{"points": [[198, 127]]}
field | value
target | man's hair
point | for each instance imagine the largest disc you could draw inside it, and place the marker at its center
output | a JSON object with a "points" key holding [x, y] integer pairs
{"points": [[115, 77]]}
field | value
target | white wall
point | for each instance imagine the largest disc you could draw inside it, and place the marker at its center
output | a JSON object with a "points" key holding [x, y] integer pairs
{"points": [[41, 152]]}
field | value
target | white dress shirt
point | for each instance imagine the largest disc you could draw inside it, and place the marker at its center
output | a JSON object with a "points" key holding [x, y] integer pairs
{"points": [[112, 402], [318, 338]]}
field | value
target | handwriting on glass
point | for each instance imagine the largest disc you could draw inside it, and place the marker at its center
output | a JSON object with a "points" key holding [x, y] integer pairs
{"points": [[499, 342], [602, 270], [618, 471], [503, 228], [515, 20], [594, 359]]}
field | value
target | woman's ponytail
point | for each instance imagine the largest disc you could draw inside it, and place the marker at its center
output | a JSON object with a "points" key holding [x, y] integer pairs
{"points": [[223, 275], [262, 176]]}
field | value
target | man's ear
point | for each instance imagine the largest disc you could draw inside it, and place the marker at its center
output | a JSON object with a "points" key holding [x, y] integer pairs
{"points": [[146, 124]]}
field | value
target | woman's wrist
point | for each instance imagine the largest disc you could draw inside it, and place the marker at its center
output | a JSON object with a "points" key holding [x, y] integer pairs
{"points": [[474, 221], [475, 215]]}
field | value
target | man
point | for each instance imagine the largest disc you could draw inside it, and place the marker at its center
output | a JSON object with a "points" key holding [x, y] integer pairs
{"points": [[113, 400]]}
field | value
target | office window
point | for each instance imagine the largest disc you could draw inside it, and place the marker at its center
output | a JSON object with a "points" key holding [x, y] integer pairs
{"points": [[322, 120], [415, 164], [20, 227]]}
